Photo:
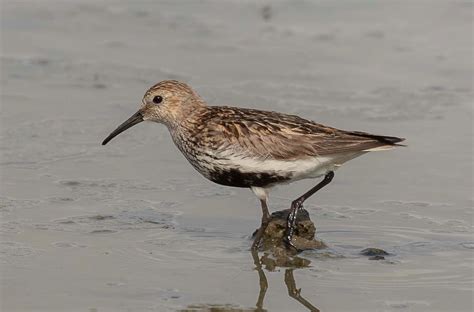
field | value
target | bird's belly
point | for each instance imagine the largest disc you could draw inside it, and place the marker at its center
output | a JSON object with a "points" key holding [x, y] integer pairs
{"points": [[237, 178], [247, 172]]}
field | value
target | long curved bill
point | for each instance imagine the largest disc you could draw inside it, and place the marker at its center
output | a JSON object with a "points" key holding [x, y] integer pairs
{"points": [[130, 122]]}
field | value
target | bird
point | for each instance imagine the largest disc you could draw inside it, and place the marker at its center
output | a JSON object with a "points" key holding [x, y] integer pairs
{"points": [[250, 148]]}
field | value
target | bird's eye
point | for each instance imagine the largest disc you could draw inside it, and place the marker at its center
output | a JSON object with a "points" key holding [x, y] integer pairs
{"points": [[157, 99]]}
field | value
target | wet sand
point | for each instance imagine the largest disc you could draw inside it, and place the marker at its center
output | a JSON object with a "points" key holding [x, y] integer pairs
{"points": [[132, 227]]}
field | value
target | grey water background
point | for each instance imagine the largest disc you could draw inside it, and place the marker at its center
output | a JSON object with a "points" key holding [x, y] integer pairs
{"points": [[132, 227]]}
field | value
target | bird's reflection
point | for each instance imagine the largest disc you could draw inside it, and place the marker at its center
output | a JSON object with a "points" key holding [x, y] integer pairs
{"points": [[262, 279], [270, 263], [290, 282]]}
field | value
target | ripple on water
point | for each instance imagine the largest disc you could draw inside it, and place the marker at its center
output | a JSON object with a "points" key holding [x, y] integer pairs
{"points": [[130, 215], [8, 205], [82, 74], [468, 245], [422, 258], [10, 227], [107, 189], [67, 245], [217, 308], [9, 251], [37, 143], [403, 305]]}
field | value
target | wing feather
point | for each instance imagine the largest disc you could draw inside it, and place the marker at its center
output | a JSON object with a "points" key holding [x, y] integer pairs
{"points": [[272, 135]]}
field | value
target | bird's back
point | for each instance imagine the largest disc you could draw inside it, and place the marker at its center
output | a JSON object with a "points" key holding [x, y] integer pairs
{"points": [[273, 135]]}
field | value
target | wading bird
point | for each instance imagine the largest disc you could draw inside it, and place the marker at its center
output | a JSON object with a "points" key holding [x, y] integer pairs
{"points": [[251, 148]]}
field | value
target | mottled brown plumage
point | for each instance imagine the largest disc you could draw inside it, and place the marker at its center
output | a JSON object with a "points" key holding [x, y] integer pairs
{"points": [[272, 135], [251, 148]]}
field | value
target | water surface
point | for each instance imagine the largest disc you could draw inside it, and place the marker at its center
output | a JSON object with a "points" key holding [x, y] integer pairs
{"points": [[132, 227]]}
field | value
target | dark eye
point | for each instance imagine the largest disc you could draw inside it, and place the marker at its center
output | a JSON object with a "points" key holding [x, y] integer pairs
{"points": [[157, 99]]}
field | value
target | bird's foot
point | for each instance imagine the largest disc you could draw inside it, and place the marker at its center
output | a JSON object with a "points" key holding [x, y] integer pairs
{"points": [[255, 244], [287, 240]]}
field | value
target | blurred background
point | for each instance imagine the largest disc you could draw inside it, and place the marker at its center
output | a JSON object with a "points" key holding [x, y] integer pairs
{"points": [[132, 227]]}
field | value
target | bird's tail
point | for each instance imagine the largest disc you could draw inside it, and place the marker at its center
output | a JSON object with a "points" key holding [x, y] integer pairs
{"points": [[388, 142]]}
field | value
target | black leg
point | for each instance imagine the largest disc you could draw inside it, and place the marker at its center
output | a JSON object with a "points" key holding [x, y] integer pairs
{"points": [[263, 226], [297, 204]]}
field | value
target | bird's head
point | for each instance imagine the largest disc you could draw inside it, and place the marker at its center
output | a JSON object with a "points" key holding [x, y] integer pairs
{"points": [[168, 102]]}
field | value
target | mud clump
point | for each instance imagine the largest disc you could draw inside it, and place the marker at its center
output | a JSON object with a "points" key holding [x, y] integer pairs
{"points": [[276, 252], [374, 253]]}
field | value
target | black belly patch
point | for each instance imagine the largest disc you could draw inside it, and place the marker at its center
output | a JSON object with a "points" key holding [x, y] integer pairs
{"points": [[234, 177]]}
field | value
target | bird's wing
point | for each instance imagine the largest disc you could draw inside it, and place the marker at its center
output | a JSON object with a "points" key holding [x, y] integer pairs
{"points": [[271, 135]]}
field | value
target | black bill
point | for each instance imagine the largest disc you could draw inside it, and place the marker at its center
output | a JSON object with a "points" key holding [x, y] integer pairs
{"points": [[130, 122]]}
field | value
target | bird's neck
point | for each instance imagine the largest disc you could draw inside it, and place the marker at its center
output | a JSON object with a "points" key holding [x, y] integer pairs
{"points": [[186, 134], [179, 115], [189, 122]]}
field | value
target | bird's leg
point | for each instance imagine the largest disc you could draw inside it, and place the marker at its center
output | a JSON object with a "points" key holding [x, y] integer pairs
{"points": [[263, 226], [297, 204]]}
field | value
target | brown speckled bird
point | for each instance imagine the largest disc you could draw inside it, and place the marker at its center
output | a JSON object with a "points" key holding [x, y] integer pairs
{"points": [[251, 148]]}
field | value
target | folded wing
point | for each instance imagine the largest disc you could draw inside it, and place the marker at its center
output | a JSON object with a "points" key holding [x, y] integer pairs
{"points": [[272, 135]]}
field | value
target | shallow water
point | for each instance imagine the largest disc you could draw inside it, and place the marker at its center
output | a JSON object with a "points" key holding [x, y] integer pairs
{"points": [[132, 227]]}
